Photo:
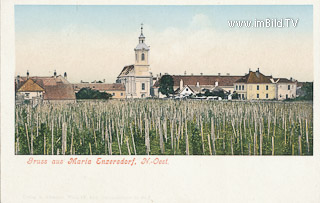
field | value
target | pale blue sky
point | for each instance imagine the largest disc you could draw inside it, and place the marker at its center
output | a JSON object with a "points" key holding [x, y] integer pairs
{"points": [[195, 39], [118, 19]]}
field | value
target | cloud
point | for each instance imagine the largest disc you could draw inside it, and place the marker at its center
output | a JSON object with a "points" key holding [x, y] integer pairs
{"points": [[200, 21]]}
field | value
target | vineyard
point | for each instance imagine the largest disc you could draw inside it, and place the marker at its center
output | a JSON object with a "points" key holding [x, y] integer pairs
{"points": [[165, 127]]}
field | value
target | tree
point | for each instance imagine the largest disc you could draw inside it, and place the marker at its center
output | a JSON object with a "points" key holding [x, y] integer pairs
{"points": [[87, 93], [308, 89], [235, 95], [166, 85]]}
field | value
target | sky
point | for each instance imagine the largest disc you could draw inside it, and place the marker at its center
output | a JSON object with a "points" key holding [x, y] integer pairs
{"points": [[96, 42]]}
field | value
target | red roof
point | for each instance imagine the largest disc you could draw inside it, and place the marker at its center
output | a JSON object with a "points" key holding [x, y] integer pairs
{"points": [[55, 88], [254, 77], [223, 80], [100, 86], [59, 92]]}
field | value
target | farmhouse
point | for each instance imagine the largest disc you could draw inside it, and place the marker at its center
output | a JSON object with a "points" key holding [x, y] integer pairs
{"points": [[136, 78], [255, 85], [199, 83], [286, 89], [117, 90], [44, 89]]}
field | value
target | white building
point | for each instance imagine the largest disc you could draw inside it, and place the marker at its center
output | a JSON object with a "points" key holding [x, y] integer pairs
{"points": [[286, 89], [137, 78]]}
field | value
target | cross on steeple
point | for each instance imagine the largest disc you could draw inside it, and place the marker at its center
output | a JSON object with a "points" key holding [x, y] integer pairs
{"points": [[142, 28]]}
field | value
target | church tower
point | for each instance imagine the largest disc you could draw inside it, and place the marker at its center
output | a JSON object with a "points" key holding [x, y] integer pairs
{"points": [[137, 77], [142, 56]]}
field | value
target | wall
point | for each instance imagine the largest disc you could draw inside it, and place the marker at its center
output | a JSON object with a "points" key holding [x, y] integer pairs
{"points": [[282, 91], [252, 91], [31, 95], [117, 94]]}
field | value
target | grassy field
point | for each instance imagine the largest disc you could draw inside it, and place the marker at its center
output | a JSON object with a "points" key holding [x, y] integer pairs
{"points": [[165, 127]]}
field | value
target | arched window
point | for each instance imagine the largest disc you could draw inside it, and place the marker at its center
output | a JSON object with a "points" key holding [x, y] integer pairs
{"points": [[142, 57]]}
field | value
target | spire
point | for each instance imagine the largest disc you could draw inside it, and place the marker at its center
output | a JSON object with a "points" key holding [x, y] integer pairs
{"points": [[141, 38], [141, 28]]}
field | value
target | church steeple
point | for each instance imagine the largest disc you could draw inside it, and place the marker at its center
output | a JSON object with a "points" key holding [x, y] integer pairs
{"points": [[142, 50], [141, 45], [141, 38]]}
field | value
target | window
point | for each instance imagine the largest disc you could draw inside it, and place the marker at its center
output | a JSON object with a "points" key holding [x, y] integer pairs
{"points": [[121, 94], [142, 57], [27, 95], [236, 87], [242, 87], [143, 86], [187, 89], [286, 96], [257, 96], [267, 88], [288, 87], [113, 94], [242, 96], [267, 96], [257, 87]]}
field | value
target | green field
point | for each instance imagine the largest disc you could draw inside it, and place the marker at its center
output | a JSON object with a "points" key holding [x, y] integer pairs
{"points": [[165, 127]]}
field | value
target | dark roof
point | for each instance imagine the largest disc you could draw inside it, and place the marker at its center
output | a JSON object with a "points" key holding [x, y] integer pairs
{"points": [[59, 92], [283, 80], [100, 86], [254, 77], [126, 70], [55, 88], [223, 80]]}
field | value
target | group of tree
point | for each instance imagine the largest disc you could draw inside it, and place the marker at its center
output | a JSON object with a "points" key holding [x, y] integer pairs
{"points": [[307, 88], [166, 85], [88, 93]]}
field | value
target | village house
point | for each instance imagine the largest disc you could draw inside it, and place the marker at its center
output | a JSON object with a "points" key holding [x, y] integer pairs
{"points": [[286, 89], [44, 89], [117, 90], [255, 85], [137, 78], [194, 84]]}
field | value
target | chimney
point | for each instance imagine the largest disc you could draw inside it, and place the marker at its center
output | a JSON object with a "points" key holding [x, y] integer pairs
{"points": [[104, 80], [201, 73], [228, 74], [219, 74], [291, 78], [216, 84], [258, 70], [18, 80], [181, 84], [185, 72], [27, 74], [191, 73], [55, 73], [249, 70], [198, 84], [65, 75]]}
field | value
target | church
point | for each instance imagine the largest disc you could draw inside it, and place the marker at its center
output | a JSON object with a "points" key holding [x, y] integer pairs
{"points": [[137, 78]]}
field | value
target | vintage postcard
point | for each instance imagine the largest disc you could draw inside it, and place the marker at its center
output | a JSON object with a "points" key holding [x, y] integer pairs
{"points": [[167, 96]]}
